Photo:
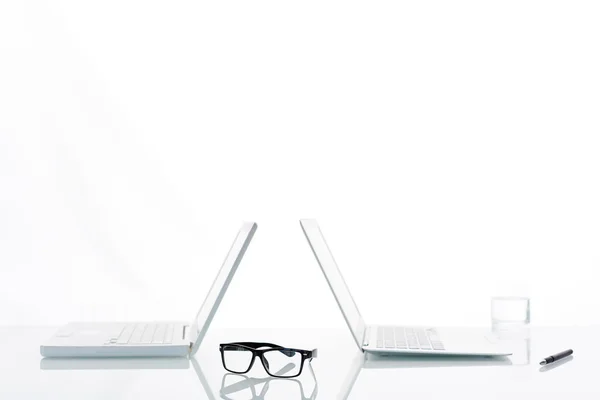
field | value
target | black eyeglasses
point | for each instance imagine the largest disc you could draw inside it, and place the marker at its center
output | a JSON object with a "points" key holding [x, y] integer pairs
{"points": [[278, 361]]}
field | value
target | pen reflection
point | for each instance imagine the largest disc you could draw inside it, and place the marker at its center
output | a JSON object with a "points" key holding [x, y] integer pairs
{"points": [[556, 364], [242, 387]]}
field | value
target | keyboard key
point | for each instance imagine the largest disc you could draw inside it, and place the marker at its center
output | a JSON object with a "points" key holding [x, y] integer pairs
{"points": [[437, 346], [389, 344], [126, 334], [380, 344], [389, 333], [148, 334], [169, 335], [159, 334], [136, 336]]}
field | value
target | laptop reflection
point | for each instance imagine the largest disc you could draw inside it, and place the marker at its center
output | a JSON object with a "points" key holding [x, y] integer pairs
{"points": [[232, 385], [372, 361]]}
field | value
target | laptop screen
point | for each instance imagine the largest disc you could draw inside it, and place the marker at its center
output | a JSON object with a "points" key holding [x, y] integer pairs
{"points": [[334, 278], [221, 283]]}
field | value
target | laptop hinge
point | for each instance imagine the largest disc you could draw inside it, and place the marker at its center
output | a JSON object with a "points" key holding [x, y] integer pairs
{"points": [[367, 336], [191, 343]]}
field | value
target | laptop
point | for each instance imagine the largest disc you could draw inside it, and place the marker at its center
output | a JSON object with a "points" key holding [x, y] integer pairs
{"points": [[387, 339], [150, 339]]}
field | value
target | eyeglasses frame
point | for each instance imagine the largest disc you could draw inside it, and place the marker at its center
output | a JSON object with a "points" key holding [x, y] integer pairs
{"points": [[255, 348]]}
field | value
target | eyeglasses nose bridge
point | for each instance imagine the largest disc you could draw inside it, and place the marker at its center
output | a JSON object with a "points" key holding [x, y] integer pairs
{"points": [[264, 361]]}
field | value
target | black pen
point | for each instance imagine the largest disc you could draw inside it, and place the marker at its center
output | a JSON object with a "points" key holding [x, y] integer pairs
{"points": [[556, 357]]}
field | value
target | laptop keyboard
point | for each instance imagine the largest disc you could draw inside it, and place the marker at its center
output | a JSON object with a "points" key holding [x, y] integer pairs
{"points": [[145, 334], [394, 337]]}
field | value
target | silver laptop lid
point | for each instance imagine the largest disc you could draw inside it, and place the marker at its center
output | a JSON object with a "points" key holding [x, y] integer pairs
{"points": [[209, 308], [334, 279]]}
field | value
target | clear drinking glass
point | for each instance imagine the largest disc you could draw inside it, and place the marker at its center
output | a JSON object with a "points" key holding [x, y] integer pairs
{"points": [[511, 316], [510, 313]]}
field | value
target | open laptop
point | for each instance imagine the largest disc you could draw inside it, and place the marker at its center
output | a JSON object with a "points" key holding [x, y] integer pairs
{"points": [[394, 339], [150, 339]]}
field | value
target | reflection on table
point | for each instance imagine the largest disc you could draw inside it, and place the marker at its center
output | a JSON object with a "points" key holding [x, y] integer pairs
{"points": [[519, 343], [372, 361], [242, 387], [233, 386], [556, 364]]}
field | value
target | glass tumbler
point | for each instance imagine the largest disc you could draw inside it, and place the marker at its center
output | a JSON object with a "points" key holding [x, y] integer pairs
{"points": [[510, 313]]}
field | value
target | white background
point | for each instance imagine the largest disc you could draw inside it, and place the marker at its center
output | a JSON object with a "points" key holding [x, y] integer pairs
{"points": [[449, 149]]}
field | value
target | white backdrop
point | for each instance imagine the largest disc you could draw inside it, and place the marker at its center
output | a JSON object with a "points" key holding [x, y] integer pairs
{"points": [[448, 148]]}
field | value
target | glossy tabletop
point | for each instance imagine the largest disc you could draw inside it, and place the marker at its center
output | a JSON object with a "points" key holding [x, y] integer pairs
{"points": [[339, 372]]}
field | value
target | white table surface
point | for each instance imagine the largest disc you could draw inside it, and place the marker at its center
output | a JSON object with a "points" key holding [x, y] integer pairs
{"points": [[340, 370]]}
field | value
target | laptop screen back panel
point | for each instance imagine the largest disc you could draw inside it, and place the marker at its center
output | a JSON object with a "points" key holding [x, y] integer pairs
{"points": [[217, 291], [334, 278]]}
